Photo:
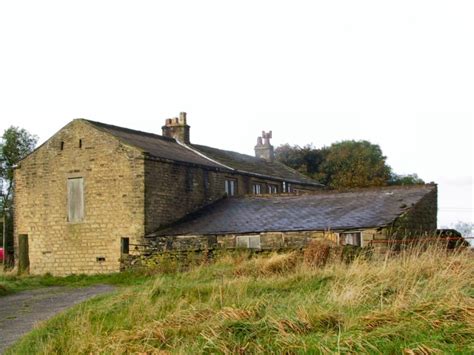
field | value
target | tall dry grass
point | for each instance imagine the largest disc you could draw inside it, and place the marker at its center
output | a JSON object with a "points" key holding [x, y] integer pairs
{"points": [[417, 302]]}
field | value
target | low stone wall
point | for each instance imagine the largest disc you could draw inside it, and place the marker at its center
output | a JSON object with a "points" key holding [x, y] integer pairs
{"points": [[257, 241]]}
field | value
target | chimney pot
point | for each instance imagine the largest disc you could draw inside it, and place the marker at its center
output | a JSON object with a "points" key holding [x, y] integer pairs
{"points": [[177, 128], [264, 149]]}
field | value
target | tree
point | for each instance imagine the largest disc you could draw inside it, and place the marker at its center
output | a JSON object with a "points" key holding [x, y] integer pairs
{"points": [[355, 164], [344, 164], [410, 179], [305, 159], [465, 228], [15, 144]]}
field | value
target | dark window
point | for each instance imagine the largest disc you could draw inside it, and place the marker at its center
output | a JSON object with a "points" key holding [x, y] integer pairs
{"points": [[125, 245], [230, 187], [256, 189], [62, 146], [189, 180], [353, 238], [75, 199], [80, 143], [206, 179]]}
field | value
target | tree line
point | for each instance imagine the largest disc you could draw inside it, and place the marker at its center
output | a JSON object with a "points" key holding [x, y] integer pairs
{"points": [[345, 164]]}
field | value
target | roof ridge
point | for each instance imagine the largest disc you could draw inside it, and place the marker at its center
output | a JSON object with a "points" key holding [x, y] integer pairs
{"points": [[129, 130]]}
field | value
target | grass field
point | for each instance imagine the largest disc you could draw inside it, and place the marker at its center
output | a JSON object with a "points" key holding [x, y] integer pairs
{"points": [[414, 303]]}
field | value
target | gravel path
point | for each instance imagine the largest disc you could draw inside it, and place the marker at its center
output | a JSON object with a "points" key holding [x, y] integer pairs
{"points": [[20, 312]]}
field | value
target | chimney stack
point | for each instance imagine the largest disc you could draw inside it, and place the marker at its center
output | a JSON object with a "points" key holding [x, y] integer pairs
{"points": [[264, 149], [177, 128]]}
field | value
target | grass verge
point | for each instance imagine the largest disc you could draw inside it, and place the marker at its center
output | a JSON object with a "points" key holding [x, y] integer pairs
{"points": [[11, 283], [414, 303]]}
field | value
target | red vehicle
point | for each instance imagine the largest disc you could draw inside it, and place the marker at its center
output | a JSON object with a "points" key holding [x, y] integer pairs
{"points": [[1, 254]]}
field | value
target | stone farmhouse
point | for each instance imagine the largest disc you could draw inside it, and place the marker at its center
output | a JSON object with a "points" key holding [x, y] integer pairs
{"points": [[93, 190]]}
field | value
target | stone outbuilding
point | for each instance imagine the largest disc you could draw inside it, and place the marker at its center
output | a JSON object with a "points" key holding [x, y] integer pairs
{"points": [[93, 189], [358, 217]]}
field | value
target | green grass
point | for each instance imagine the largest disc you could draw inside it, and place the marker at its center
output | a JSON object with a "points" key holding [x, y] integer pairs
{"points": [[11, 283], [418, 303]]}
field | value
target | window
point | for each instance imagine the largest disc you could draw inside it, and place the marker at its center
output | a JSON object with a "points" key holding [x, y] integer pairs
{"points": [[125, 246], [230, 187], [257, 189], [352, 238], [75, 199], [80, 143], [248, 242], [272, 189], [61, 146], [189, 180]]}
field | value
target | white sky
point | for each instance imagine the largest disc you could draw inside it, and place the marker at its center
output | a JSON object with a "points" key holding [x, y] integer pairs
{"points": [[399, 74]]}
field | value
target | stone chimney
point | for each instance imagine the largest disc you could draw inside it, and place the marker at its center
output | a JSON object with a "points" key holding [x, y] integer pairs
{"points": [[264, 149], [177, 128]]}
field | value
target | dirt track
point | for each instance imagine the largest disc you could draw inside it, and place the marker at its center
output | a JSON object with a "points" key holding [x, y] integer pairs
{"points": [[19, 313]]}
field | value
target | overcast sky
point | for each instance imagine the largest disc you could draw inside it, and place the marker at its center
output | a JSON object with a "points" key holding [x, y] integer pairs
{"points": [[399, 74]]}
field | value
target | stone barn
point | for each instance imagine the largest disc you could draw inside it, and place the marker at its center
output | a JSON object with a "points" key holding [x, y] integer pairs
{"points": [[359, 217], [92, 189]]}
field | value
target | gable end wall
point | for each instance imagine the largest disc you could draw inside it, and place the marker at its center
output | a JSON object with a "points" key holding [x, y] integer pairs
{"points": [[113, 202]]}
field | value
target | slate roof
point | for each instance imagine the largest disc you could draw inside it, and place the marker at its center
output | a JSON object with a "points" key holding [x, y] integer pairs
{"points": [[247, 163], [167, 148], [363, 208], [155, 145]]}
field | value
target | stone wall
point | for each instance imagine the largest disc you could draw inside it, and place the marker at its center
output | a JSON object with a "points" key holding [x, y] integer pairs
{"points": [[257, 241], [245, 183], [419, 220], [113, 193], [174, 190]]}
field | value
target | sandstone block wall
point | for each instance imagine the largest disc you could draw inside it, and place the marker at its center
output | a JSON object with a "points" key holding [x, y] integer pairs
{"points": [[174, 190], [114, 201]]}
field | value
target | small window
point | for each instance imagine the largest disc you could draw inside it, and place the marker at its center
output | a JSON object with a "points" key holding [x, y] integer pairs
{"points": [[61, 146], [353, 238], [248, 242], [205, 178], [125, 246], [230, 187], [189, 180], [75, 199], [256, 189], [80, 143], [272, 189]]}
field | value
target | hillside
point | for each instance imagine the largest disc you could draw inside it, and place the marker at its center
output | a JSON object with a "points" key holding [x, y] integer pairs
{"points": [[415, 303]]}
